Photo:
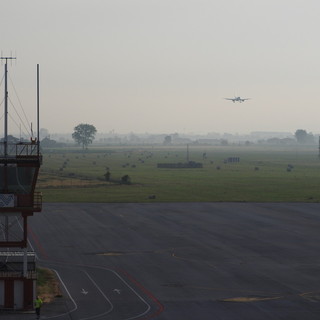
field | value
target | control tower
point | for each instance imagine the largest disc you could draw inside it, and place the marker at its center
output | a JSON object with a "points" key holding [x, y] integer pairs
{"points": [[20, 162]]}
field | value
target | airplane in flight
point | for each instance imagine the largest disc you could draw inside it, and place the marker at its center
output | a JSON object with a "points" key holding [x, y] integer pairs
{"points": [[237, 99]]}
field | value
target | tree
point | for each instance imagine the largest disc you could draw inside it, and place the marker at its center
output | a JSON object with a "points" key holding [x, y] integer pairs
{"points": [[107, 175], [167, 140], [48, 143], [125, 179], [11, 139], [84, 134], [303, 137]]}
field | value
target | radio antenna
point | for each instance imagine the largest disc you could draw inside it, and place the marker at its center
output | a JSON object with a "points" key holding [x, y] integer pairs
{"points": [[6, 102]]}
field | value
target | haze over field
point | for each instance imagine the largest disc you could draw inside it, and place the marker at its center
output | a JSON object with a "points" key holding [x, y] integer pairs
{"points": [[166, 65]]}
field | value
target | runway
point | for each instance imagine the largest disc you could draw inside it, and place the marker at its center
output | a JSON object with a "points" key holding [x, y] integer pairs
{"points": [[185, 261]]}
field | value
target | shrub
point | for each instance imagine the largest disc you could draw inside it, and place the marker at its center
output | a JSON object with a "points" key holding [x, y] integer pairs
{"points": [[125, 179]]}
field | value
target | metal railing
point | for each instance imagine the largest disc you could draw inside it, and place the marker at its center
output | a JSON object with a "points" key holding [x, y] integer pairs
{"points": [[13, 267], [18, 274], [37, 201], [19, 149]]}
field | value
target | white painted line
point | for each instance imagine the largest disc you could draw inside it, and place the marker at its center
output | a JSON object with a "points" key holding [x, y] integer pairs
{"points": [[75, 305], [111, 305], [134, 291]]}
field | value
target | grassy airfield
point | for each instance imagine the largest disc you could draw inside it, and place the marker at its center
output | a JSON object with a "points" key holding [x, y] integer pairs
{"points": [[264, 174]]}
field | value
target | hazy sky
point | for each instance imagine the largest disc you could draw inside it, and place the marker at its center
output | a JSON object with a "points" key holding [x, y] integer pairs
{"points": [[164, 66]]}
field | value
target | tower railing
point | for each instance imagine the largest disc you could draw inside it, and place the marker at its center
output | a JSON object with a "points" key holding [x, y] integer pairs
{"points": [[37, 201], [18, 149]]}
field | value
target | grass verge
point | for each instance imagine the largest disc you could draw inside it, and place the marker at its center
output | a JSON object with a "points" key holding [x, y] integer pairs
{"points": [[282, 174], [48, 286]]}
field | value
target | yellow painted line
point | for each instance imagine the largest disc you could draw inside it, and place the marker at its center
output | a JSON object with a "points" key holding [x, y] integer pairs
{"points": [[250, 299], [110, 254], [115, 253], [233, 290], [306, 295]]}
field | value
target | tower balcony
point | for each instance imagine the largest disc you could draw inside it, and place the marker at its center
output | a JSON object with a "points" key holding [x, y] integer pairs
{"points": [[21, 202], [11, 265], [19, 167], [11, 150]]}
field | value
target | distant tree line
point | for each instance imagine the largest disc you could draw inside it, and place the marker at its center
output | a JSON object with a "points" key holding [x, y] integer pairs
{"points": [[84, 135], [50, 143]]}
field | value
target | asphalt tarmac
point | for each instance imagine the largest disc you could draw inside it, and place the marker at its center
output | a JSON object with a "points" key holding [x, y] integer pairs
{"points": [[180, 261]]}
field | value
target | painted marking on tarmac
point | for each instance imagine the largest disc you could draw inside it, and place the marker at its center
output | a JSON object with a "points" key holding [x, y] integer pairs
{"points": [[68, 293], [118, 291], [250, 299], [311, 296], [121, 253], [244, 291], [111, 254], [149, 294], [105, 297], [84, 291]]}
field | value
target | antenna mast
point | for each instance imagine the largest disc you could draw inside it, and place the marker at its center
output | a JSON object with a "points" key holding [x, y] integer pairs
{"points": [[38, 109], [6, 103]]}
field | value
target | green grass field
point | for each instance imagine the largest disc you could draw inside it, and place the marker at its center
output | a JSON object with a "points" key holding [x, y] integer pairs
{"points": [[264, 174]]}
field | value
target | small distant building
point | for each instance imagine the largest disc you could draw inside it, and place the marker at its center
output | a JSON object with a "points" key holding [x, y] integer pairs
{"points": [[180, 165]]}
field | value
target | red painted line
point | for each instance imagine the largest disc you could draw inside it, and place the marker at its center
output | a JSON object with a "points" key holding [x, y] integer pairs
{"points": [[148, 293], [37, 243]]}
